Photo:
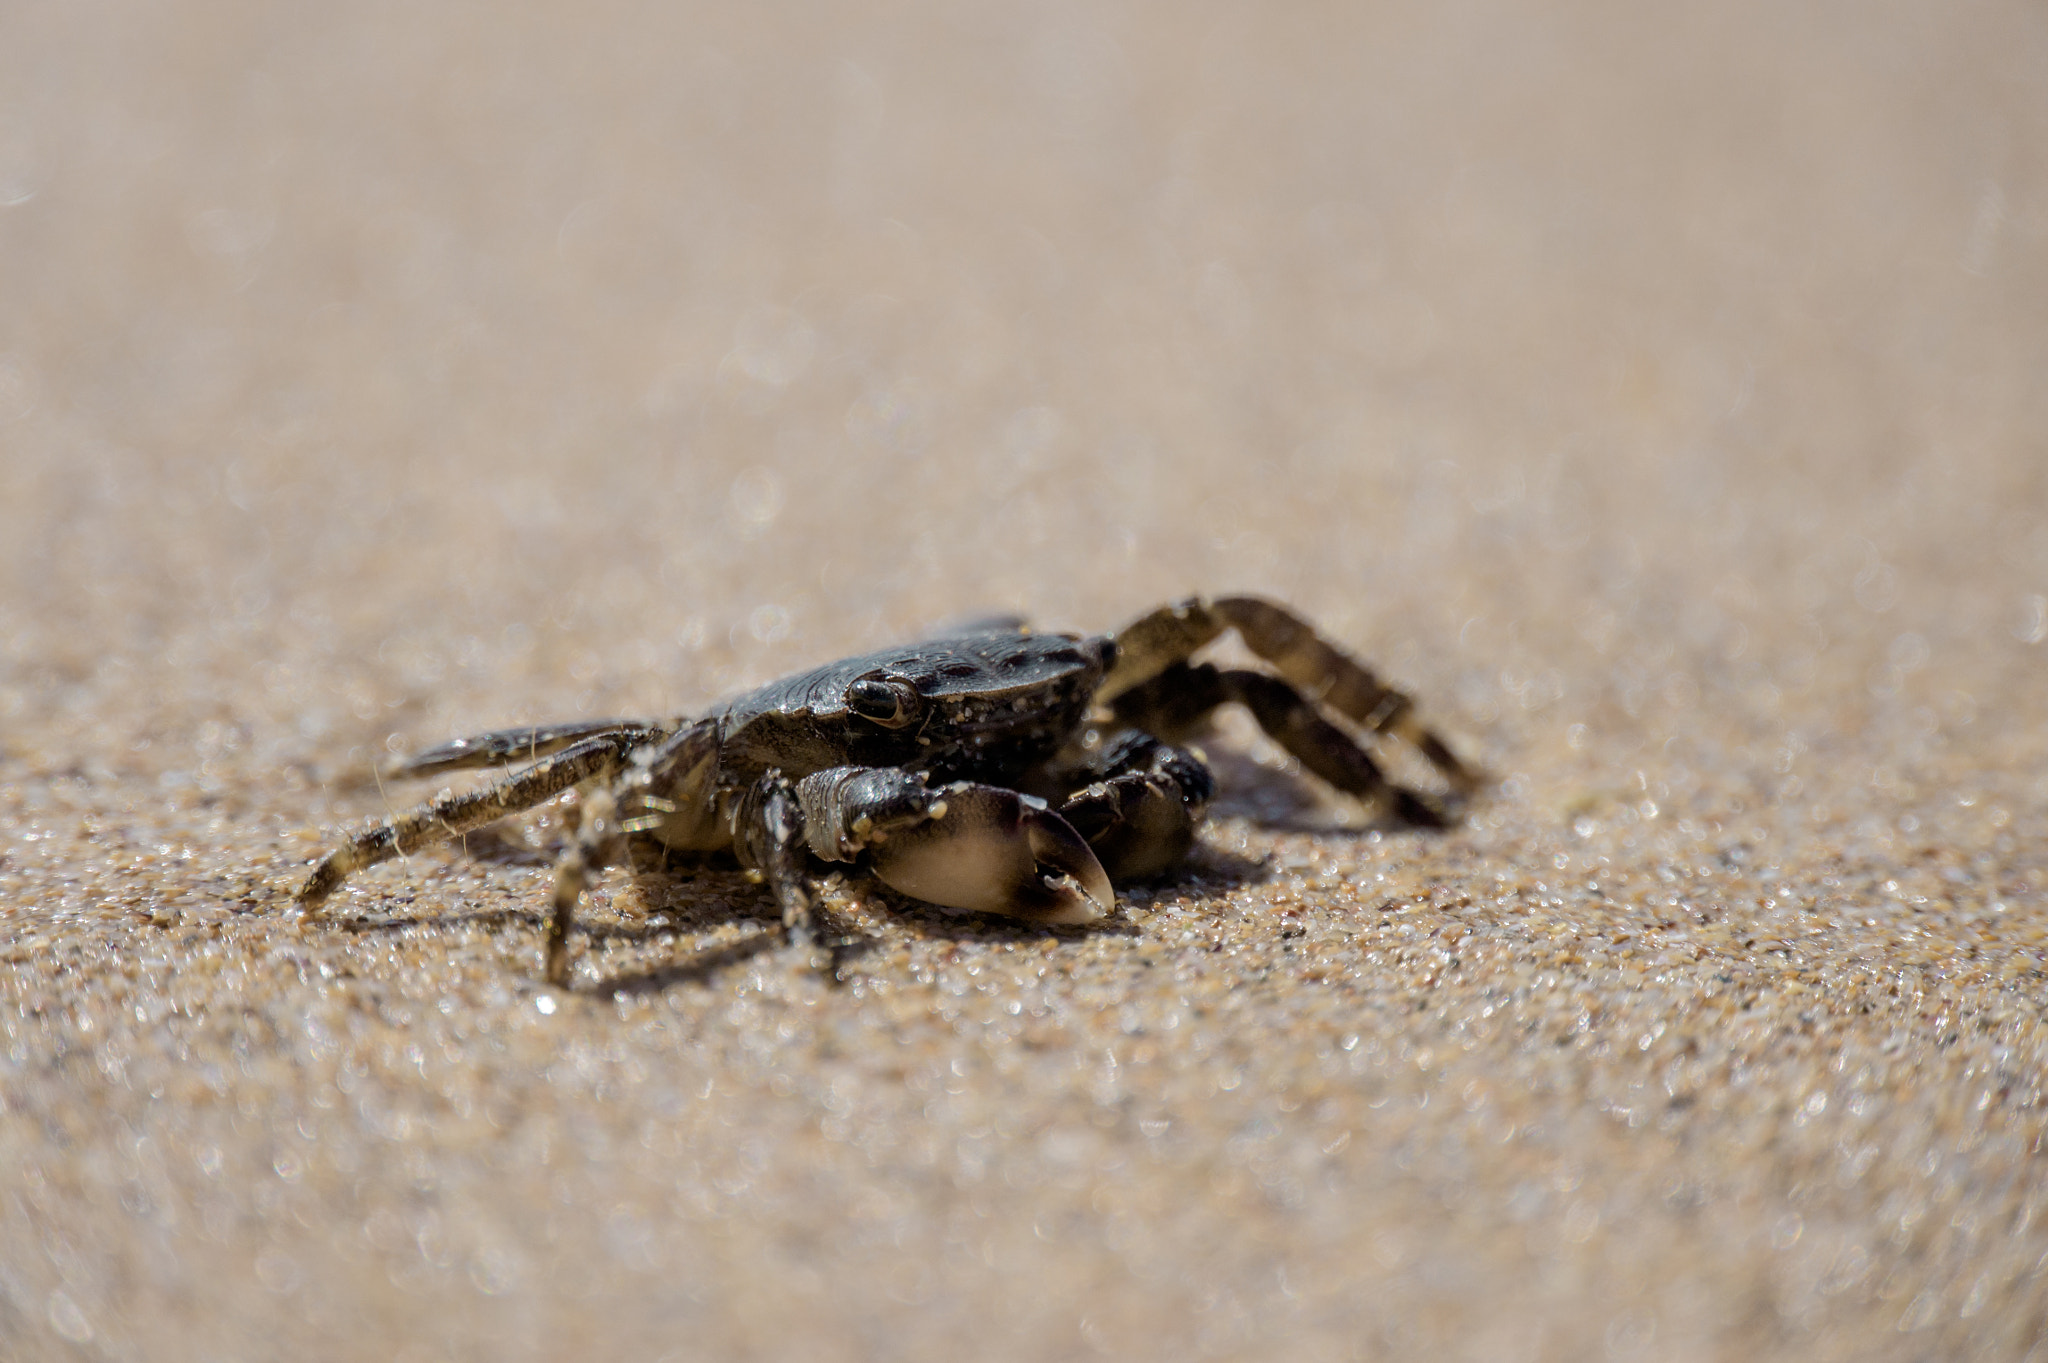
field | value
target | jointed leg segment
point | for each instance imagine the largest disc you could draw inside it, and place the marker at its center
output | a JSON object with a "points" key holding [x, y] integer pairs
{"points": [[768, 836], [637, 799], [504, 747], [598, 843], [452, 817], [1153, 686]]}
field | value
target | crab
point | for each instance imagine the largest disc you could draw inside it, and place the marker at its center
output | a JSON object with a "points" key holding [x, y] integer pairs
{"points": [[994, 770]]}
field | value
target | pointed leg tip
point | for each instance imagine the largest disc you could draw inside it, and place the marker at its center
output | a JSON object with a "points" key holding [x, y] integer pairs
{"points": [[318, 884], [309, 905]]}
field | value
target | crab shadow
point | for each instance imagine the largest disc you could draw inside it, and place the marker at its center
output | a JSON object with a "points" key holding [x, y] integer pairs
{"points": [[1282, 800], [880, 917], [688, 904]]}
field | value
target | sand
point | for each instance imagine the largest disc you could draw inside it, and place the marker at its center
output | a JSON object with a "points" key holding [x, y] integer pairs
{"points": [[1656, 394]]}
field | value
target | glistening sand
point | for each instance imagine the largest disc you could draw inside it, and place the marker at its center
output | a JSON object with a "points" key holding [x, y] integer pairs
{"points": [[1655, 392]]}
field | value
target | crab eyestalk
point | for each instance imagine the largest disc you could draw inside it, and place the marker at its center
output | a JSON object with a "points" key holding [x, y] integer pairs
{"points": [[996, 851]]}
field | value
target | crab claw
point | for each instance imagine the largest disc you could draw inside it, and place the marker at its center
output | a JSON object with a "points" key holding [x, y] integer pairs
{"points": [[990, 850]]}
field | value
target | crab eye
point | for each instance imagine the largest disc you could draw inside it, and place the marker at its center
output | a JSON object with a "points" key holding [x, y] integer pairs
{"points": [[889, 701]]}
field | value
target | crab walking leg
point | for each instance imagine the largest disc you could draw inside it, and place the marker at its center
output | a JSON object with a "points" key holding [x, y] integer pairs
{"points": [[504, 747], [458, 814], [1182, 695], [670, 791], [598, 843], [1172, 634], [665, 790], [960, 846], [768, 836]]}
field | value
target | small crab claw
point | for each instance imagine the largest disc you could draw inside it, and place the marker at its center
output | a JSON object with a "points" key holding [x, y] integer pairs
{"points": [[990, 850]]}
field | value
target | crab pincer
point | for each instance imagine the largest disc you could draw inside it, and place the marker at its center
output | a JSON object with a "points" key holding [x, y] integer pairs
{"points": [[983, 849]]}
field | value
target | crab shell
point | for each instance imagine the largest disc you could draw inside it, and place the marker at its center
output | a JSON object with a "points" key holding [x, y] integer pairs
{"points": [[977, 712]]}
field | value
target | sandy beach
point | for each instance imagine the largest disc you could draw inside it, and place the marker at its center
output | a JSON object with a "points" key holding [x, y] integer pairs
{"points": [[1656, 394]]}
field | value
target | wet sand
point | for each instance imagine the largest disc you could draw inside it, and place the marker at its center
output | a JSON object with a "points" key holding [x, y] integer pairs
{"points": [[1656, 395]]}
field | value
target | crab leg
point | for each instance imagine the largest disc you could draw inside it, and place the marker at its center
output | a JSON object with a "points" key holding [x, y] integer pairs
{"points": [[503, 747], [458, 814], [768, 837], [1172, 634], [666, 791], [598, 843], [1182, 695]]}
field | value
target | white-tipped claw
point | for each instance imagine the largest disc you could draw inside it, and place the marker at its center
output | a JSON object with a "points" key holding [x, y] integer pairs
{"points": [[997, 852]]}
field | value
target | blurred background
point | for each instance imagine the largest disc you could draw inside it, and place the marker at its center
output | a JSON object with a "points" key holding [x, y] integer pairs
{"points": [[434, 357], [1656, 391]]}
